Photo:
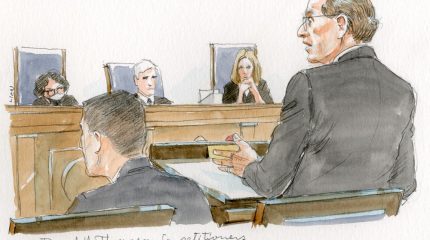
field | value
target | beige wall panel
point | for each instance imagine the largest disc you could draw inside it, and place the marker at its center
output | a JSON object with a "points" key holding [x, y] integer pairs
{"points": [[44, 143], [26, 175]]}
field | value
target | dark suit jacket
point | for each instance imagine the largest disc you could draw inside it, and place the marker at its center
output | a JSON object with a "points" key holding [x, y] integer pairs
{"points": [[344, 126], [67, 100], [157, 100], [161, 100], [141, 184], [231, 92]]}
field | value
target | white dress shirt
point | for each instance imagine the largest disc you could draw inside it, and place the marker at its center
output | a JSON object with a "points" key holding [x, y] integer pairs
{"points": [[145, 98], [348, 50]]}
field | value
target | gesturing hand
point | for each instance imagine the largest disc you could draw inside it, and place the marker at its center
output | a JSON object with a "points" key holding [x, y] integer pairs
{"points": [[235, 162]]}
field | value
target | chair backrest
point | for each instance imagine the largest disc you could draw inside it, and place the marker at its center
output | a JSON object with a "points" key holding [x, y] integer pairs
{"points": [[340, 207], [222, 61], [29, 64], [138, 216], [67, 178], [120, 76]]}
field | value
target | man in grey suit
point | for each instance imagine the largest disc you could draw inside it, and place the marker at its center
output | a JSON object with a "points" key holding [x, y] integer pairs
{"points": [[345, 125], [113, 136], [147, 76]]}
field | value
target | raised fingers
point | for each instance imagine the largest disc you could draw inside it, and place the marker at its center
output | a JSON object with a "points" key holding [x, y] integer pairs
{"points": [[239, 159], [240, 142], [223, 153], [225, 169], [223, 162]]}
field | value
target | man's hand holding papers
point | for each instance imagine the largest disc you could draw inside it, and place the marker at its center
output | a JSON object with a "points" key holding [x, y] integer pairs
{"points": [[235, 161]]}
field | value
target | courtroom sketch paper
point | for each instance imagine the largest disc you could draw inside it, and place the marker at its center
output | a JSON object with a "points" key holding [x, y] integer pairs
{"points": [[317, 162]]}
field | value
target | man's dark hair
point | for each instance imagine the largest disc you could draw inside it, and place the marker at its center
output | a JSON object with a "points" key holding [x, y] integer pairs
{"points": [[361, 16], [120, 117], [42, 81]]}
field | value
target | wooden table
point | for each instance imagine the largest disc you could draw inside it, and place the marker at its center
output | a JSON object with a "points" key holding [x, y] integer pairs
{"points": [[260, 211]]}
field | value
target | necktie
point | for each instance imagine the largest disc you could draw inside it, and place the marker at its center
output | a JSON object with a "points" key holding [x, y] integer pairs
{"points": [[149, 101]]}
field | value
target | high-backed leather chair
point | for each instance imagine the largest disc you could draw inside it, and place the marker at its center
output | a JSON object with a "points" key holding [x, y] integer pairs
{"points": [[222, 58], [29, 64]]}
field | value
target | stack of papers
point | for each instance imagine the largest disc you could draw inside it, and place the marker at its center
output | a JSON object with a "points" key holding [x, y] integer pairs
{"points": [[219, 184]]}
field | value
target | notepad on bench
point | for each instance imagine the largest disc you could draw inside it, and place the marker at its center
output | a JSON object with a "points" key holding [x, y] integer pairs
{"points": [[231, 148], [221, 185]]}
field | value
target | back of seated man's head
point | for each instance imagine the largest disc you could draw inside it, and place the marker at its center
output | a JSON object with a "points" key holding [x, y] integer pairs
{"points": [[113, 130]]}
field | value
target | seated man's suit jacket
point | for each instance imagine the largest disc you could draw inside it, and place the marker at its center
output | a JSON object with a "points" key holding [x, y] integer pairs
{"points": [[161, 100], [140, 184], [157, 100], [343, 126]]}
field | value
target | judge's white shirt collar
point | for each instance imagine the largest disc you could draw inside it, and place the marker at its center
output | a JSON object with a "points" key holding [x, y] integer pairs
{"points": [[145, 98], [348, 50]]}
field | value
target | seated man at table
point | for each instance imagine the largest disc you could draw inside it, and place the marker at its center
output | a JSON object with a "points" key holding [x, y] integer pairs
{"points": [[146, 77], [113, 136], [345, 125]]}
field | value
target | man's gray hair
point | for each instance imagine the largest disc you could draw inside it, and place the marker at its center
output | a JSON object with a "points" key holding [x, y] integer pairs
{"points": [[120, 117], [144, 65], [360, 13]]}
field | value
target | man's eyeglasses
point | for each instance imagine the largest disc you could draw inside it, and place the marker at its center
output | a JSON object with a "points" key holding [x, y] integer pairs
{"points": [[307, 21], [52, 92]]}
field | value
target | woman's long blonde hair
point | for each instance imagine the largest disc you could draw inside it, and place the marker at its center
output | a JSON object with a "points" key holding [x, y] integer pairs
{"points": [[251, 55]]}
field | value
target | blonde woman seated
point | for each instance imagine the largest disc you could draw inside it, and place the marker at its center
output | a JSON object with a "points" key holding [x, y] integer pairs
{"points": [[246, 85]]}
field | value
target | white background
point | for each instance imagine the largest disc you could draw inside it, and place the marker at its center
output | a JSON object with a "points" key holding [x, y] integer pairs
{"points": [[176, 36]]}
